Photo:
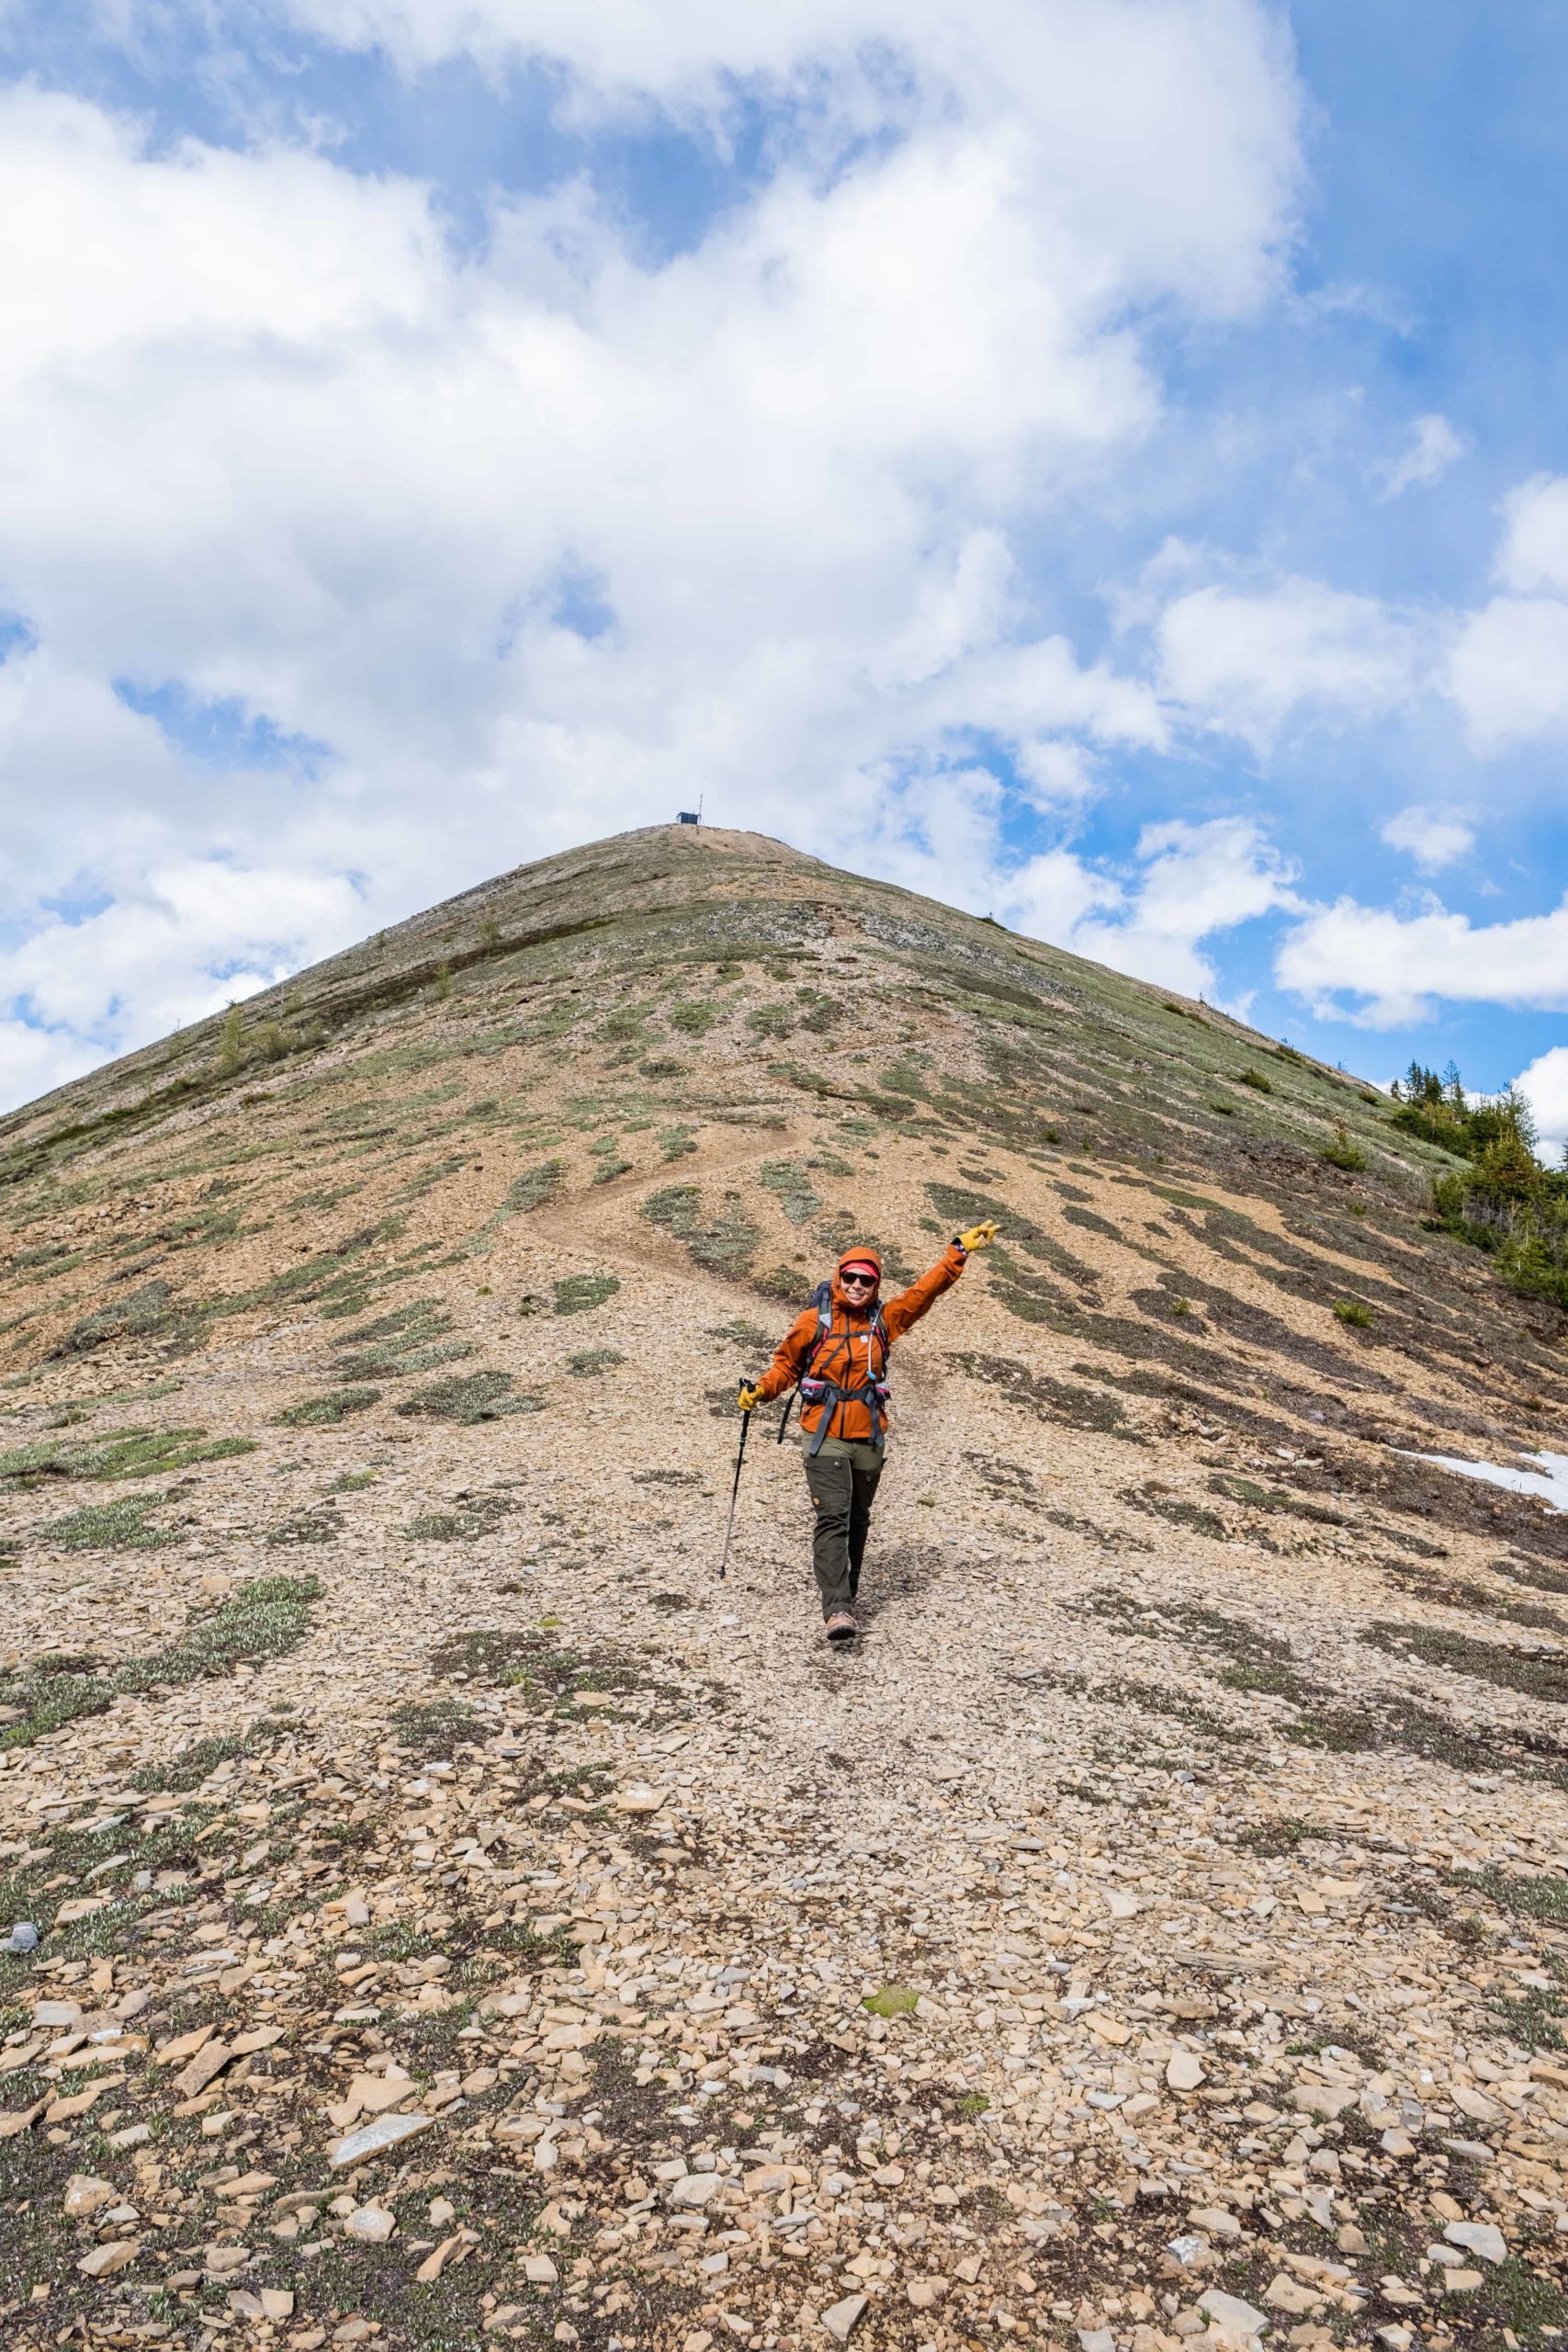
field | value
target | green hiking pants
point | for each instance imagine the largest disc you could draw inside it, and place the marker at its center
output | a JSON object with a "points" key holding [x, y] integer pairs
{"points": [[843, 1482]]}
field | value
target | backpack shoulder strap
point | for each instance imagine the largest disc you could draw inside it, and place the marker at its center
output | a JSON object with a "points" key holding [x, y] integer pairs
{"points": [[822, 1300]]}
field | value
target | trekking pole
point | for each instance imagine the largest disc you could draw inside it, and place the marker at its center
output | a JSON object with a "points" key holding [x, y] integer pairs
{"points": [[735, 1490]]}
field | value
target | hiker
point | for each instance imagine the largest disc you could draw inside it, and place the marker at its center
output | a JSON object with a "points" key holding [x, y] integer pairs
{"points": [[836, 1351]]}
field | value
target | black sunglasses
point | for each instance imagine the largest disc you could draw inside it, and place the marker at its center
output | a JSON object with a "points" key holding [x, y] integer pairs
{"points": [[862, 1282]]}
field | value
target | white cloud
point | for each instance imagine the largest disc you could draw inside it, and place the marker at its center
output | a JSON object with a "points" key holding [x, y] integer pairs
{"points": [[1245, 662], [1508, 667], [1434, 837], [1198, 879], [1509, 672], [190, 937], [263, 433], [35, 1061], [939, 832], [1534, 554], [1382, 970], [1160, 136], [1433, 447], [1545, 1083]]}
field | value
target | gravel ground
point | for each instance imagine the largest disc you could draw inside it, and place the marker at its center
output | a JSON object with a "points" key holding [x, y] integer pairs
{"points": [[463, 1916]]}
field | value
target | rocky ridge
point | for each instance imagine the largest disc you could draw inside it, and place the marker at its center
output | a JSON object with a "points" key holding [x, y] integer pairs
{"points": [[463, 1919]]}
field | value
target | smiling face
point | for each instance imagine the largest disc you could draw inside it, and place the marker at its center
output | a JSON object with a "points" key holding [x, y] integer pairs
{"points": [[860, 1277]]}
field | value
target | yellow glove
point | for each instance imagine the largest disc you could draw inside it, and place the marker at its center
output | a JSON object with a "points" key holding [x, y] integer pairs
{"points": [[979, 1236], [748, 1398]]}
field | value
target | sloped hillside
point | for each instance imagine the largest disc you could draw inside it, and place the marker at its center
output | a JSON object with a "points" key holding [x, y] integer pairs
{"points": [[461, 1918]]}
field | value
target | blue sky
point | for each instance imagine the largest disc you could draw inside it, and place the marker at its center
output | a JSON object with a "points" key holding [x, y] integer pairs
{"points": [[1104, 464]]}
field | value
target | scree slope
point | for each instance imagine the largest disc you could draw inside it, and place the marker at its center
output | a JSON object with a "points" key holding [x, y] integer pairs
{"points": [[462, 1920]]}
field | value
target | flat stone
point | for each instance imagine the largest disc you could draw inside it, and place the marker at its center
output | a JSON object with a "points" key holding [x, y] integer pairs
{"points": [[386, 2131], [923, 2293], [1481, 2238], [370, 2225], [539, 2270], [1288, 2294], [767, 2180], [695, 2189], [640, 1800], [208, 2063], [1185, 2070], [84, 2193], [185, 2046], [840, 2321], [1327, 2099], [1214, 2221], [103, 2259], [1229, 2310]]}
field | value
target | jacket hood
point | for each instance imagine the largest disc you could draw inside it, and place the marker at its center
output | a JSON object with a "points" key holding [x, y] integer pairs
{"points": [[857, 1256]]}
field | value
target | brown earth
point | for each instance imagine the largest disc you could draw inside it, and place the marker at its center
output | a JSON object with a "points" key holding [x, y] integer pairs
{"points": [[1165, 1900]]}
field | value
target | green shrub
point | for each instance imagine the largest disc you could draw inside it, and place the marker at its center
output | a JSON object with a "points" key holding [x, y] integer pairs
{"points": [[791, 1188], [231, 1043], [394, 1363], [697, 1019], [724, 1244], [891, 2001], [475, 1515], [578, 1293], [150, 1313], [591, 1362], [427, 1313], [266, 1617], [108, 1527], [191, 1766], [1355, 1312], [117, 1454], [535, 1186], [1342, 1152], [783, 1282], [469, 1397], [324, 1412], [1256, 1079]]}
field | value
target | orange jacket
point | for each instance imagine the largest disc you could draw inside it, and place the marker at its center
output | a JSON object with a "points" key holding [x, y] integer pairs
{"points": [[850, 1351]]}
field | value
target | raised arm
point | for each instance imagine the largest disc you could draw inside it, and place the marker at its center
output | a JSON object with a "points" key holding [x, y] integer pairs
{"points": [[911, 1303]]}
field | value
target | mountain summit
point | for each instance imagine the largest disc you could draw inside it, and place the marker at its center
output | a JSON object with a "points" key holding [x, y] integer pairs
{"points": [[460, 1917]]}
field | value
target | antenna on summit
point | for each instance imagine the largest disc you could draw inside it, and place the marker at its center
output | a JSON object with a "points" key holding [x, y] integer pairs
{"points": [[691, 816]]}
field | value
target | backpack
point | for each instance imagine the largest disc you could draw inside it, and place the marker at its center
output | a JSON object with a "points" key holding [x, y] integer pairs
{"points": [[873, 1394]]}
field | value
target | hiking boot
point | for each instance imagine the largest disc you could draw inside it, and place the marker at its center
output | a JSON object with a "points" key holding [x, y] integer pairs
{"points": [[841, 1626]]}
